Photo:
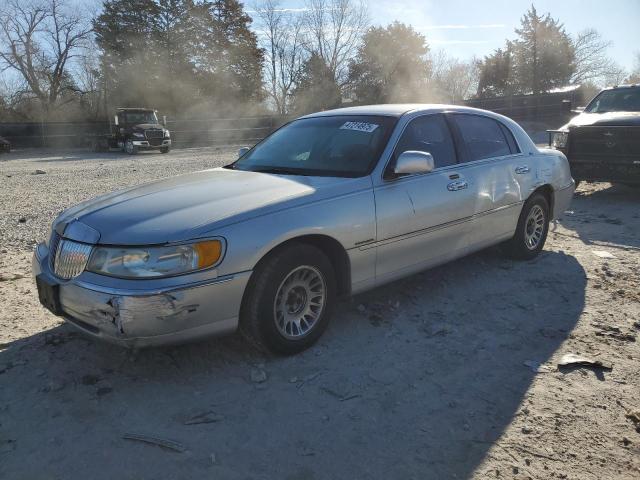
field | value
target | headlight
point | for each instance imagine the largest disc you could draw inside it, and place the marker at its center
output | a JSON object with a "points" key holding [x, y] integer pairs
{"points": [[167, 134], [559, 139], [138, 135], [148, 262]]}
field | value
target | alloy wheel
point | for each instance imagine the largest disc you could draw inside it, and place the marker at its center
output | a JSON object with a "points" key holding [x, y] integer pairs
{"points": [[534, 227], [299, 302]]}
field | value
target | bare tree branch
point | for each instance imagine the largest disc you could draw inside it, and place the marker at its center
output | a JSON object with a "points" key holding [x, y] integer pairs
{"points": [[38, 38], [592, 60], [281, 33], [333, 30]]}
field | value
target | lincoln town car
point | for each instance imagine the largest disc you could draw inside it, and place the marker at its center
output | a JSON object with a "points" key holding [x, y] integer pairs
{"points": [[329, 205]]}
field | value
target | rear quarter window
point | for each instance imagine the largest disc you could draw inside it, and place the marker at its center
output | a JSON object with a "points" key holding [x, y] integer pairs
{"points": [[483, 137]]}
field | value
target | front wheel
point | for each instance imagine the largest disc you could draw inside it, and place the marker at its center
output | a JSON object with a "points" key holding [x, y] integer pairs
{"points": [[130, 148], [164, 149], [532, 229], [289, 300]]}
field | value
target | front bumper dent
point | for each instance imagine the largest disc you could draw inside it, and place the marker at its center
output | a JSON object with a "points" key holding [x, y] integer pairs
{"points": [[149, 316]]}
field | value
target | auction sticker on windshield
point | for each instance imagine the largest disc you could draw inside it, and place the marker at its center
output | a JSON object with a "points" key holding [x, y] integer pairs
{"points": [[359, 126]]}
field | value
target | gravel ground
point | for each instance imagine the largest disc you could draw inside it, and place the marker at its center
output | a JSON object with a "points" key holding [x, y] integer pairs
{"points": [[452, 373]]}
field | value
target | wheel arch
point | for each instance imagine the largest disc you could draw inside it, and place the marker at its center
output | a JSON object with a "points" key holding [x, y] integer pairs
{"points": [[332, 248], [548, 192]]}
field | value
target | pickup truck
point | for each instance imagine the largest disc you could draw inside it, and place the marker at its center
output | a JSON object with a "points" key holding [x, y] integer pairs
{"points": [[602, 143]]}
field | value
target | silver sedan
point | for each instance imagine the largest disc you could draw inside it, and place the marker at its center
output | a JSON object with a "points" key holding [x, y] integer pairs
{"points": [[329, 205]]}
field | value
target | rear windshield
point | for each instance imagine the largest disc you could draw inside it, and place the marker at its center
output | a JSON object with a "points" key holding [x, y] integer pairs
{"points": [[342, 146], [620, 100]]}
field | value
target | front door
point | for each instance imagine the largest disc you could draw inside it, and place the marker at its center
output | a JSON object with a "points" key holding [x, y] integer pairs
{"points": [[423, 219]]}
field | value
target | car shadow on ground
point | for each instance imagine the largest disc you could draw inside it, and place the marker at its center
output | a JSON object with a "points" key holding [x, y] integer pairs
{"points": [[591, 219], [417, 379]]}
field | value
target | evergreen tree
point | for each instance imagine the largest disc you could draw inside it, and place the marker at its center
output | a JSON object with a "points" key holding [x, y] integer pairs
{"points": [[229, 59], [316, 89], [178, 54], [496, 77], [543, 54], [391, 65]]}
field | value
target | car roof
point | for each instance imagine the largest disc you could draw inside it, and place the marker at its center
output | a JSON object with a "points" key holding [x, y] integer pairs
{"points": [[133, 109], [397, 110], [621, 87]]}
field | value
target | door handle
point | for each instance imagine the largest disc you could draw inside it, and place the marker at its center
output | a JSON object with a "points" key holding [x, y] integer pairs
{"points": [[522, 169], [457, 185]]}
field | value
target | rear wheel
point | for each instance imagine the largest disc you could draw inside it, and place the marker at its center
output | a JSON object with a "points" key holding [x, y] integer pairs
{"points": [[532, 229], [289, 300]]}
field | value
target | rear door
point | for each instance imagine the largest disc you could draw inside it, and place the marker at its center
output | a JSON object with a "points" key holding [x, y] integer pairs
{"points": [[422, 219], [491, 161]]}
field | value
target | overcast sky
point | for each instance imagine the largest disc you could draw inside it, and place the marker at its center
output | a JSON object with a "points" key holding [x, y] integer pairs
{"points": [[477, 27]]}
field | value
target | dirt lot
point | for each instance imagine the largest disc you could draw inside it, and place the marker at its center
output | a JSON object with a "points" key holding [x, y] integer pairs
{"points": [[450, 374]]}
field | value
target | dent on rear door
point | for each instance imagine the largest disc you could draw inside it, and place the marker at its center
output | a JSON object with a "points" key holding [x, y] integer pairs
{"points": [[498, 200]]}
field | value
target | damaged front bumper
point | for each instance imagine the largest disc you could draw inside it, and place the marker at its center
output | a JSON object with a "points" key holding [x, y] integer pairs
{"points": [[141, 313]]}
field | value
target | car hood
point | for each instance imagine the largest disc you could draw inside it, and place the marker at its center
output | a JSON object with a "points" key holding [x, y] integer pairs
{"points": [[605, 119], [192, 205], [146, 126]]}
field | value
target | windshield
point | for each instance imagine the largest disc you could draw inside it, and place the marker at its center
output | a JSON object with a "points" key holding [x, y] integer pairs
{"points": [[340, 146], [135, 118], [620, 100]]}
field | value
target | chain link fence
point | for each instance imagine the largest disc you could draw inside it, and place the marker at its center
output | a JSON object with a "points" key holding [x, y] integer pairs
{"points": [[184, 132]]}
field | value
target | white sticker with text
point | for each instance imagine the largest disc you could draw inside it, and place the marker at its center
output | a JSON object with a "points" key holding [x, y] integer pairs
{"points": [[359, 126]]}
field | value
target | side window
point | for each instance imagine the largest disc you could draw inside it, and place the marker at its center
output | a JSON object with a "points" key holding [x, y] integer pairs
{"points": [[429, 133], [513, 146], [482, 137]]}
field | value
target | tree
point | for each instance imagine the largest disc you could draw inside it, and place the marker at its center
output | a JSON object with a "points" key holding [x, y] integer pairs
{"points": [[229, 54], [126, 34], [391, 65], [39, 40], [284, 53], [496, 73], [334, 30], [591, 60], [635, 74], [452, 80], [179, 54], [544, 57], [317, 89]]}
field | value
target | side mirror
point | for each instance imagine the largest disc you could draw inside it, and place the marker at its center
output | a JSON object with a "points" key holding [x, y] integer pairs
{"points": [[578, 110], [242, 151], [413, 161], [164, 120], [115, 120]]}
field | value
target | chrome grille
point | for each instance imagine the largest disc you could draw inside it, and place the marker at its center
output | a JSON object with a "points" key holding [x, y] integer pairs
{"points": [[154, 133], [70, 258]]}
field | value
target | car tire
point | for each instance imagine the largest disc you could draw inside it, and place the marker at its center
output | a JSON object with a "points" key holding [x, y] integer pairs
{"points": [[129, 147], [289, 300], [164, 150], [531, 232]]}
